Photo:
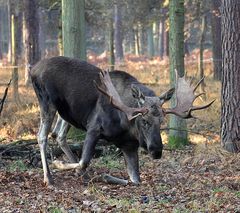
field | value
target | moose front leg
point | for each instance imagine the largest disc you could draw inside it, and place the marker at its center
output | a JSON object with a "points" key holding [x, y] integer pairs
{"points": [[131, 160], [88, 148]]}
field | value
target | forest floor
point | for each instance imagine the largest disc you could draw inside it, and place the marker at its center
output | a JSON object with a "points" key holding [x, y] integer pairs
{"points": [[201, 177]]}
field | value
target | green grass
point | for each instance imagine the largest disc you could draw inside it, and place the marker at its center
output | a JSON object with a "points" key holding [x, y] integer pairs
{"points": [[110, 162], [54, 210], [76, 134], [17, 165], [237, 194], [175, 142]]}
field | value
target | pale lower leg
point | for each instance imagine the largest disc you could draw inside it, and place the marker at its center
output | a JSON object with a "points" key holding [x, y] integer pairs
{"points": [[131, 159], [62, 141]]}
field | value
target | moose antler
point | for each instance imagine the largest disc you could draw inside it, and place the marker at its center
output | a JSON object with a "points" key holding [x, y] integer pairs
{"points": [[185, 98], [109, 90]]}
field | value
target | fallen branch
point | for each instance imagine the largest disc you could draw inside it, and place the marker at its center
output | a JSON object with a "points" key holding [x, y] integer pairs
{"points": [[16, 145], [4, 96]]}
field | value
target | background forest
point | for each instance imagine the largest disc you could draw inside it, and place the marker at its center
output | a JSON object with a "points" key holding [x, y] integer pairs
{"points": [[148, 39]]}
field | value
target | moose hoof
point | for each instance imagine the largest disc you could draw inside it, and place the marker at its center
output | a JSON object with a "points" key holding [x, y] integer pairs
{"points": [[135, 181], [48, 181]]}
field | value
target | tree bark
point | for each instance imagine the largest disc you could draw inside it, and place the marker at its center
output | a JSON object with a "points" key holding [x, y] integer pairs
{"points": [[166, 45], [141, 39], [111, 43], [73, 30], [73, 25], [31, 36], [216, 39], [4, 31], [137, 41], [162, 37], [118, 35], [1, 33], [230, 115], [60, 34], [176, 43], [9, 31], [201, 49], [132, 41], [14, 22], [156, 34], [150, 42]]}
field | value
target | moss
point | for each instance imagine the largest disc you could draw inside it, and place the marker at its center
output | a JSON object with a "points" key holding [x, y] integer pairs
{"points": [[175, 142]]}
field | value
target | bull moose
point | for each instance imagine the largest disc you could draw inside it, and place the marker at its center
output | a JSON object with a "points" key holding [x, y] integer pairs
{"points": [[112, 106]]}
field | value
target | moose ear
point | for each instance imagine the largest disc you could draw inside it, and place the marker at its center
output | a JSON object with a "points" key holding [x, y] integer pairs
{"points": [[167, 95], [137, 94]]}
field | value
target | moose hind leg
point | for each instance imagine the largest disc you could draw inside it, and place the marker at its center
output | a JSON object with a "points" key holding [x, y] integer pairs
{"points": [[62, 141], [57, 127], [131, 160], [46, 116]]}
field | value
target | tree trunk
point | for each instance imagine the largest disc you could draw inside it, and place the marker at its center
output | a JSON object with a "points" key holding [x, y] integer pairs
{"points": [[176, 15], [201, 49], [31, 36], [9, 31], [111, 43], [150, 41], [14, 23], [137, 42], [1, 33], [166, 45], [156, 37], [73, 30], [132, 41], [4, 31], [161, 37], [216, 39], [20, 49], [230, 116], [60, 34], [141, 39], [42, 33], [73, 25], [118, 36]]}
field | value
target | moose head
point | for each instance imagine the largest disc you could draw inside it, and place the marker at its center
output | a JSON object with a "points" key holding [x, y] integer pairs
{"points": [[150, 113]]}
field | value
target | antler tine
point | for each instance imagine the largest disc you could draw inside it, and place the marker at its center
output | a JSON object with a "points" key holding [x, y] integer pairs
{"points": [[185, 98], [198, 95], [202, 107], [198, 83], [189, 113], [110, 91]]}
